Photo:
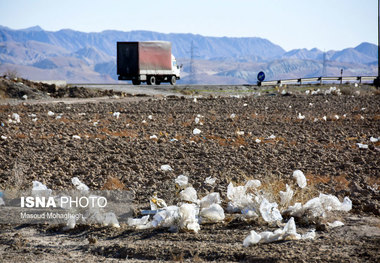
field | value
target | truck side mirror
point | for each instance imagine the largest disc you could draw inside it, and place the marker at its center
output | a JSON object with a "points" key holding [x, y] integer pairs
{"points": [[181, 66]]}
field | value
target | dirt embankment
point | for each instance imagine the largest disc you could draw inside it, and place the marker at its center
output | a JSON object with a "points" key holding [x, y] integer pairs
{"points": [[317, 134]]}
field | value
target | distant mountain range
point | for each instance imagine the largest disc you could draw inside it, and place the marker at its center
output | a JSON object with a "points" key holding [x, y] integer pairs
{"points": [[90, 57]]}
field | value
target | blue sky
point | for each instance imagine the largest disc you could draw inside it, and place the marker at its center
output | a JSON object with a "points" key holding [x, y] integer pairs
{"points": [[325, 24]]}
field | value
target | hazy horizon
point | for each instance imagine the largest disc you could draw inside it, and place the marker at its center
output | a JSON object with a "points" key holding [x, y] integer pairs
{"points": [[292, 24]]}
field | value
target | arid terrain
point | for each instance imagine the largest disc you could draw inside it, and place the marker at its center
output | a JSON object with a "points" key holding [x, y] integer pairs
{"points": [[262, 136]]}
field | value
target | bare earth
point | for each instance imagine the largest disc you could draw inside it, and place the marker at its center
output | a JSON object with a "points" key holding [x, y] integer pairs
{"points": [[325, 150]]}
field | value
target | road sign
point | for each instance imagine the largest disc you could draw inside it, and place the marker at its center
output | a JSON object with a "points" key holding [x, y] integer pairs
{"points": [[261, 76]]}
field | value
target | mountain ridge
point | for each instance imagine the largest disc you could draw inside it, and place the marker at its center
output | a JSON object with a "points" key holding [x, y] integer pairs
{"points": [[37, 50]]}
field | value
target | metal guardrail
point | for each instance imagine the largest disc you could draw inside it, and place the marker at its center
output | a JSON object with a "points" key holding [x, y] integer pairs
{"points": [[321, 80]]}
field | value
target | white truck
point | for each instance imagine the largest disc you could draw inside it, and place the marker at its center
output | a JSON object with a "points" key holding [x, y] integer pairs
{"points": [[151, 62]]}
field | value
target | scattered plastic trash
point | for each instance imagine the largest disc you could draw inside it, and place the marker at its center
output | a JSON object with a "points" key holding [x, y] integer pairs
{"points": [[240, 133], [50, 113], [373, 139], [307, 92], [196, 131], [210, 180], [286, 196], [166, 217], [16, 117], [182, 181], [269, 211], [257, 140], [188, 217], [210, 199], [195, 100], [336, 117], [166, 167], [300, 177], [362, 146], [39, 189], [189, 194], [116, 114], [79, 185], [76, 137], [150, 117], [156, 203], [3, 137], [24, 97], [272, 137], [196, 120], [153, 137], [335, 224], [324, 118], [300, 116], [138, 221], [213, 213], [232, 116]]}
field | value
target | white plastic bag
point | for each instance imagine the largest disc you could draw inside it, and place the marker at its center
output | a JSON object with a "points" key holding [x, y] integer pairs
{"points": [[300, 177], [269, 211], [79, 185], [286, 196], [188, 217], [182, 180], [251, 239], [213, 213], [208, 200], [189, 194]]}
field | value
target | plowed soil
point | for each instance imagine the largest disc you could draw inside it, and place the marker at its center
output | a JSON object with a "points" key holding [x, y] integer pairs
{"points": [[323, 145]]}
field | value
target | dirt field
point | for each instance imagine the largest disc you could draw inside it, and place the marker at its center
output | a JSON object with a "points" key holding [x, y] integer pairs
{"points": [[323, 145]]}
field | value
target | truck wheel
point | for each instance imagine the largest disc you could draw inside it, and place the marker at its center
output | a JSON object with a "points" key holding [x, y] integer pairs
{"points": [[173, 80], [151, 80], [136, 82]]}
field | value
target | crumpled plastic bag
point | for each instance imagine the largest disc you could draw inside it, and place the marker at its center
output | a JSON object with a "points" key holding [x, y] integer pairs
{"points": [[79, 185], [189, 194], [238, 197], [39, 189], [210, 180], [300, 178], [213, 213], [286, 196], [182, 180], [269, 211], [166, 217], [188, 217], [210, 199], [138, 221], [156, 203]]}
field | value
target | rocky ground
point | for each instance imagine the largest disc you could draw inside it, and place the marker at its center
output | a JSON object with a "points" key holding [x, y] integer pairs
{"points": [[317, 134]]}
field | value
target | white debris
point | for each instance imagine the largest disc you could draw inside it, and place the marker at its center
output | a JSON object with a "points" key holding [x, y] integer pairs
{"points": [[116, 114], [109, 219], [16, 117], [238, 197], [232, 116], [32, 115], [307, 92], [269, 211], [195, 100], [240, 133], [272, 137], [210, 199], [356, 85], [373, 139], [196, 131], [309, 234], [166, 217], [210, 180], [300, 177], [189, 194], [39, 189], [156, 203], [213, 213], [335, 224], [153, 137], [336, 117], [251, 239], [166, 167], [252, 184], [245, 105], [283, 92], [80, 114], [138, 221], [182, 180], [286, 196], [257, 140], [50, 113], [324, 118], [188, 217], [315, 92], [2, 201], [76, 137], [79, 185], [143, 121], [315, 119], [362, 146], [34, 120], [24, 97], [311, 104], [150, 117], [196, 120], [300, 116], [3, 137]]}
